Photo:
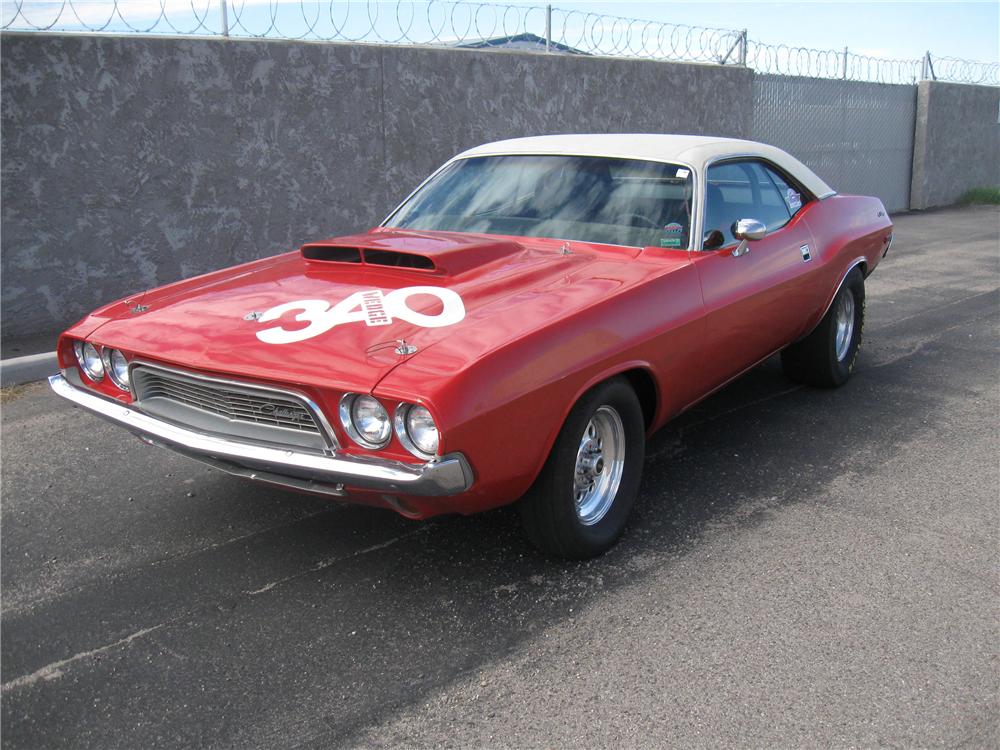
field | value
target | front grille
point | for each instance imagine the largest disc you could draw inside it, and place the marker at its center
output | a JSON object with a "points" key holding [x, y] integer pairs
{"points": [[223, 407]]}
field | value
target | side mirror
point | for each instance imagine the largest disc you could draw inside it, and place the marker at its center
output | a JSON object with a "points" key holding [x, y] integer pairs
{"points": [[747, 230]]}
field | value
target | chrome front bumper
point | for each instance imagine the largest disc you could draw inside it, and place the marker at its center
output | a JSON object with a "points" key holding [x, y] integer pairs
{"points": [[313, 472]]}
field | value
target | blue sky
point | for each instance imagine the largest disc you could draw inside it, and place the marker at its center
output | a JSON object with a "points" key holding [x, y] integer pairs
{"points": [[885, 29], [876, 28]]}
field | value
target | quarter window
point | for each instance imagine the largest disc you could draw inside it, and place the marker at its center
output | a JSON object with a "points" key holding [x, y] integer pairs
{"points": [[792, 197]]}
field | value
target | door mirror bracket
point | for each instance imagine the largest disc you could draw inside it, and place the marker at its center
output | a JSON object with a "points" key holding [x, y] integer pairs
{"points": [[746, 231]]}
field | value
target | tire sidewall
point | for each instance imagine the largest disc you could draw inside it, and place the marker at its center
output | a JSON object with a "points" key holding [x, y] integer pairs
{"points": [[841, 369], [598, 536]]}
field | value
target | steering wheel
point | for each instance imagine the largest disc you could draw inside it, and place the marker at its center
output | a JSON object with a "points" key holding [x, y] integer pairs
{"points": [[644, 219]]}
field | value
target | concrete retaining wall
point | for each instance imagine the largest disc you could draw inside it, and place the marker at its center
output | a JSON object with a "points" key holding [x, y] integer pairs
{"points": [[130, 162], [957, 142]]}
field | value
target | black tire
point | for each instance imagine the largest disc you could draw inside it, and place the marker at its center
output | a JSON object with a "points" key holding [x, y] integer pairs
{"points": [[815, 360], [549, 511]]}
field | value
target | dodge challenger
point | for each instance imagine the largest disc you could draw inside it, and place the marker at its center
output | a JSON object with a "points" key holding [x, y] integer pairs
{"points": [[512, 332]]}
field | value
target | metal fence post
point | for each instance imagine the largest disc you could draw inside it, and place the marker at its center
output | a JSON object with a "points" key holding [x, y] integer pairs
{"points": [[743, 48], [225, 18], [843, 73], [928, 72], [548, 27]]}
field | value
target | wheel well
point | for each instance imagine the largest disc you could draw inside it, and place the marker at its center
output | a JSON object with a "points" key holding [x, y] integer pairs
{"points": [[864, 268], [645, 389]]}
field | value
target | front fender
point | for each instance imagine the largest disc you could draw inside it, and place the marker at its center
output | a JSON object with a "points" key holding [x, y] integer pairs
{"points": [[503, 408]]}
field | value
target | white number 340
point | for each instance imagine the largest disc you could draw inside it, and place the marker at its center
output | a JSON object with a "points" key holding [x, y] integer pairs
{"points": [[371, 306]]}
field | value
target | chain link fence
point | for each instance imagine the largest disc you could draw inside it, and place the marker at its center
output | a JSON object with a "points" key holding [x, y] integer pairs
{"points": [[451, 23], [858, 136]]}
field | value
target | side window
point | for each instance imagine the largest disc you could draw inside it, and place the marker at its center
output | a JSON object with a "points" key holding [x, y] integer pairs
{"points": [[741, 190], [792, 197], [729, 197]]}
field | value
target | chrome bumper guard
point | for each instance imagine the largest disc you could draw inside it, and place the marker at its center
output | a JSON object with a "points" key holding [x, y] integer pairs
{"points": [[325, 474]]}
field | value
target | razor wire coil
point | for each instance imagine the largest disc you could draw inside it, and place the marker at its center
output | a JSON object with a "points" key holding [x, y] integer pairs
{"points": [[459, 23]]}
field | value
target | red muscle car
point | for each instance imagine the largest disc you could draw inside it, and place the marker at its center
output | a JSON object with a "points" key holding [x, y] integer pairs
{"points": [[512, 332]]}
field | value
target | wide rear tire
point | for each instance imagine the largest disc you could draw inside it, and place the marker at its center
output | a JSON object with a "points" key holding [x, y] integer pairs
{"points": [[580, 503], [826, 357]]}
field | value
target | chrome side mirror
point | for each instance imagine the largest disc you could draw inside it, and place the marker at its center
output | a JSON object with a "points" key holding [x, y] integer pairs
{"points": [[747, 230]]}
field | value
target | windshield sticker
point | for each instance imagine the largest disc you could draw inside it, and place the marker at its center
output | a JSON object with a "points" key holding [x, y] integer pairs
{"points": [[794, 200], [373, 307], [682, 174], [670, 242], [673, 228]]}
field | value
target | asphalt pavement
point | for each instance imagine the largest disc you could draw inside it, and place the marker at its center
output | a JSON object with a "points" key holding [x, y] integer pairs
{"points": [[805, 568]]}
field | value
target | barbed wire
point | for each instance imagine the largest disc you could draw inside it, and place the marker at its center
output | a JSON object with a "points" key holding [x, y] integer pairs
{"points": [[471, 24]]}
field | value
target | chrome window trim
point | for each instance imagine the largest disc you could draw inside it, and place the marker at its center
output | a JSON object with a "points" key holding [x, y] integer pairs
{"points": [[325, 429], [674, 162]]}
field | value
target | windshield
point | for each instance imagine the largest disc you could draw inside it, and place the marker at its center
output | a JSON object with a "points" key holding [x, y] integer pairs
{"points": [[586, 198]]}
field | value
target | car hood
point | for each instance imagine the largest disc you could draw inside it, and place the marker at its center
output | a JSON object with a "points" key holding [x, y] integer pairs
{"points": [[254, 320]]}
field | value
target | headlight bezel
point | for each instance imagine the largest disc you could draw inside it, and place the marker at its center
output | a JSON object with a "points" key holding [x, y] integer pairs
{"points": [[401, 424], [348, 403], [80, 351], [107, 357]]}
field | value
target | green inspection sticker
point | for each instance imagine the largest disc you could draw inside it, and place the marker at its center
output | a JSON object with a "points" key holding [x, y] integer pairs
{"points": [[670, 242]]}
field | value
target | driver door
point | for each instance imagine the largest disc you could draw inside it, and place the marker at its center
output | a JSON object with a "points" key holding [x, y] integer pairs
{"points": [[755, 301]]}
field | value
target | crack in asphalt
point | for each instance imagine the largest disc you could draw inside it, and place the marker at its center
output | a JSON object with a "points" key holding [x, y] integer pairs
{"points": [[28, 607], [936, 308], [55, 669], [334, 560]]}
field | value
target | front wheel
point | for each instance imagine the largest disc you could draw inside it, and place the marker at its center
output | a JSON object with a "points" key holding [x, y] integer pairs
{"points": [[826, 356], [580, 502]]}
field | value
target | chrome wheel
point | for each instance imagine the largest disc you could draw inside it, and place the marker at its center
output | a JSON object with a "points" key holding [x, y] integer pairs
{"points": [[600, 462], [844, 325]]}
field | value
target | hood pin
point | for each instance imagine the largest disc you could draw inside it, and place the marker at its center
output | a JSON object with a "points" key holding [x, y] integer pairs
{"points": [[402, 348], [255, 315]]}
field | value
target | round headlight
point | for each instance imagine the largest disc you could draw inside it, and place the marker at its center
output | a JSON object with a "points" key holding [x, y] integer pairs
{"points": [[370, 422], [117, 367], [90, 360], [416, 430], [422, 430]]}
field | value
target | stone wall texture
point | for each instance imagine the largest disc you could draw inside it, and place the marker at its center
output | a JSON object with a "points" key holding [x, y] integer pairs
{"points": [[957, 142], [130, 162]]}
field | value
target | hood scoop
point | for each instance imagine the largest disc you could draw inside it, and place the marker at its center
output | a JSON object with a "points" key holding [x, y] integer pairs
{"points": [[339, 254], [446, 253]]}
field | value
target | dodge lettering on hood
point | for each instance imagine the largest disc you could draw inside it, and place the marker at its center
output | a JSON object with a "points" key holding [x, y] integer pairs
{"points": [[512, 332]]}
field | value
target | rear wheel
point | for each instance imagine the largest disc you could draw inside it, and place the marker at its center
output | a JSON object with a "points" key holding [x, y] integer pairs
{"points": [[580, 502], [826, 356]]}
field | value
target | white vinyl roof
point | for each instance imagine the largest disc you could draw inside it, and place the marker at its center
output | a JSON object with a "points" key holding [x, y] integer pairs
{"points": [[692, 150]]}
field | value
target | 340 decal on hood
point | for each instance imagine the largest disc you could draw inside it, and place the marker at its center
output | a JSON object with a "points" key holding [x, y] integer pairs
{"points": [[370, 306]]}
